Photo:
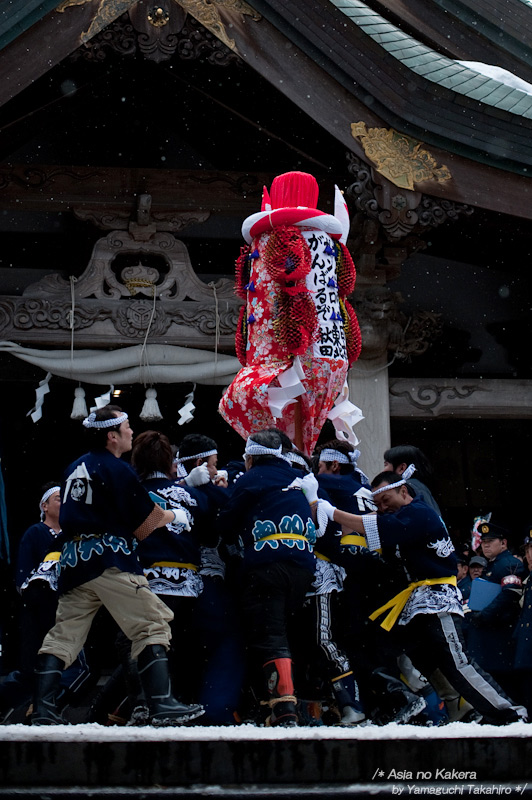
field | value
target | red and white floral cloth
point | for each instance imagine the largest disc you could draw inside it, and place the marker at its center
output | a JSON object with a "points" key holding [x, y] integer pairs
{"points": [[292, 340]]}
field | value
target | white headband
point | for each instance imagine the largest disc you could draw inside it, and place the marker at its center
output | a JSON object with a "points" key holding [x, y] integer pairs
{"points": [[179, 460], [48, 494], [295, 458], [328, 454], [409, 471], [92, 422], [254, 449]]}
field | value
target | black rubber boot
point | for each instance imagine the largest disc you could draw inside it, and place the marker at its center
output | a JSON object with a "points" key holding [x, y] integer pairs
{"points": [[399, 704], [164, 709], [48, 674], [282, 700], [346, 694]]}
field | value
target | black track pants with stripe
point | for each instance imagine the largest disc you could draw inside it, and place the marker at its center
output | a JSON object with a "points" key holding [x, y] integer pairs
{"points": [[436, 641]]}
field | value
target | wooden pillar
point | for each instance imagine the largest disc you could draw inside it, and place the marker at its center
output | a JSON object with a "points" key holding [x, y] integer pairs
{"points": [[369, 390]]}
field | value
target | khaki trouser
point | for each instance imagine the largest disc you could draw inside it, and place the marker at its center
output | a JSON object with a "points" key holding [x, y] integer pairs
{"points": [[134, 607]]}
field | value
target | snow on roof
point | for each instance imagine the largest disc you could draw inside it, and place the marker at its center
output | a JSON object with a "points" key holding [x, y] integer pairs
{"points": [[499, 74]]}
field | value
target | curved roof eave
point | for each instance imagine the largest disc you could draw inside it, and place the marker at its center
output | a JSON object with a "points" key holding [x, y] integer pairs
{"points": [[433, 66], [472, 31], [387, 82]]}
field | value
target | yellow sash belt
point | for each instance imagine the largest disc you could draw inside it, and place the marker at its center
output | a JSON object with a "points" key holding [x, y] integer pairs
{"points": [[352, 538], [174, 564], [52, 556], [397, 603], [284, 536]]}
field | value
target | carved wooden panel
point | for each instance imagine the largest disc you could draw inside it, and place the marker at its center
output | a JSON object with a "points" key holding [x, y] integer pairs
{"points": [[452, 398], [130, 291]]}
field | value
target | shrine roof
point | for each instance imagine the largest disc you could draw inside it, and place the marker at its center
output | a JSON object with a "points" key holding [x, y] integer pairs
{"points": [[433, 66]]}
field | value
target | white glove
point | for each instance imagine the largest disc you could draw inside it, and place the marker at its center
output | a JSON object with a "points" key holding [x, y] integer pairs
{"points": [[181, 517], [328, 508], [296, 484], [198, 476], [309, 487]]}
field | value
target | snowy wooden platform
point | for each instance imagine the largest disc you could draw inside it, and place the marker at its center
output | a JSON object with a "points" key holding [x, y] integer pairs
{"points": [[95, 761]]}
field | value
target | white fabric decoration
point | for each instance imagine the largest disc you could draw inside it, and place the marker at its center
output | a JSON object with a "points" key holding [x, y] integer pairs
{"points": [[79, 409], [42, 389], [341, 213], [186, 412], [291, 387], [344, 415], [150, 410], [167, 364]]}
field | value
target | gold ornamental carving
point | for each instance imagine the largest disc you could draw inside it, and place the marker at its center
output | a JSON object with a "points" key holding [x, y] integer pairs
{"points": [[204, 11], [207, 14], [401, 160], [108, 11]]}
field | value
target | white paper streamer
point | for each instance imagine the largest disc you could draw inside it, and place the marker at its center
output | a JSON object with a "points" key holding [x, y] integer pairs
{"points": [[186, 412], [344, 415], [42, 389], [103, 399], [341, 213], [291, 387]]}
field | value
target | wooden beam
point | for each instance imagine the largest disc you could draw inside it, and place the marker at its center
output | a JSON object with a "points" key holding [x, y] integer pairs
{"points": [[60, 188], [475, 398]]}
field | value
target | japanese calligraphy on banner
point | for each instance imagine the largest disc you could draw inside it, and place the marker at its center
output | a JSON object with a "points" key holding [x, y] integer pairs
{"points": [[322, 285]]}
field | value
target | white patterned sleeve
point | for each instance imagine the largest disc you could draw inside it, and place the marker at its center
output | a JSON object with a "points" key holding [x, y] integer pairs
{"points": [[372, 532]]}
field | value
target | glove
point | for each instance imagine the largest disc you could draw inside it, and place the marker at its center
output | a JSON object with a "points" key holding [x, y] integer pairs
{"points": [[296, 484], [181, 517], [309, 487], [328, 508], [221, 478], [198, 476]]}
